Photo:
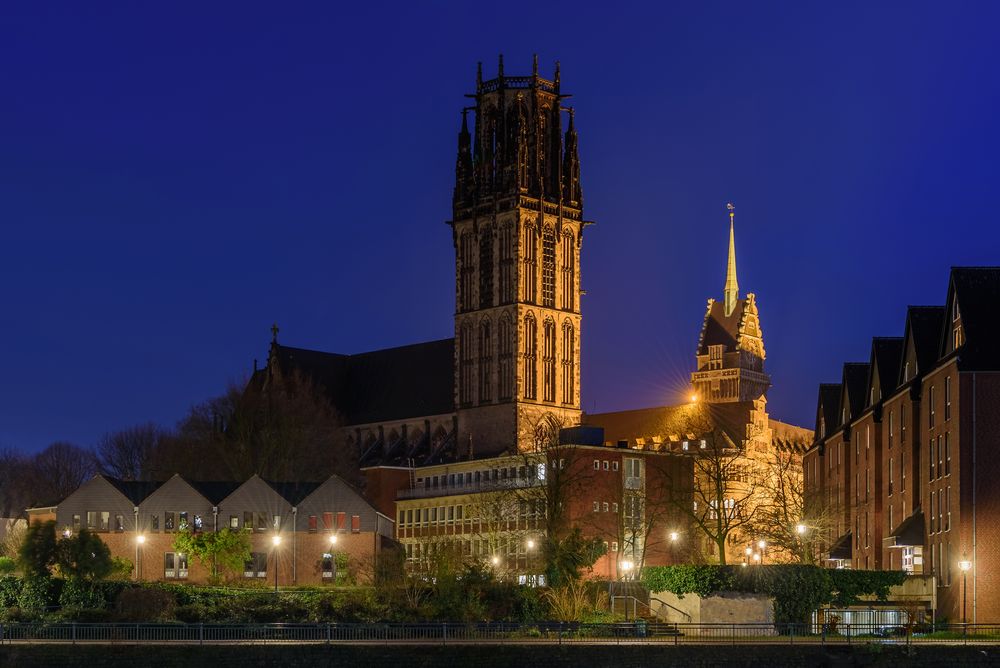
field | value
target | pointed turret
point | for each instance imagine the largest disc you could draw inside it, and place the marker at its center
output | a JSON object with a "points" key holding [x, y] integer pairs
{"points": [[463, 163], [571, 167], [732, 289]]}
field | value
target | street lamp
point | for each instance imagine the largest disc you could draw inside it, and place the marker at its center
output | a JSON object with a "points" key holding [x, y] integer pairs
{"points": [[333, 539], [800, 529], [762, 544], [140, 540], [965, 565], [673, 536], [276, 541]]}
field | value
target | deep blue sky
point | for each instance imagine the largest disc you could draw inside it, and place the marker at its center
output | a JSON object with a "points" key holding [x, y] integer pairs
{"points": [[173, 178]]}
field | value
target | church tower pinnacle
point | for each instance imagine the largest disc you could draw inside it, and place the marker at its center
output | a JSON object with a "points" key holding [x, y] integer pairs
{"points": [[732, 289]]}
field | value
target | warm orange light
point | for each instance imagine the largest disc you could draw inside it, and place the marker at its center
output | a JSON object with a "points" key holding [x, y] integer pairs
{"points": [[694, 398]]}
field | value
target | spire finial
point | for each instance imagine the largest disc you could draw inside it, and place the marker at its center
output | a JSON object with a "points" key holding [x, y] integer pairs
{"points": [[732, 289], [479, 75], [274, 333], [500, 68], [556, 80], [534, 66]]}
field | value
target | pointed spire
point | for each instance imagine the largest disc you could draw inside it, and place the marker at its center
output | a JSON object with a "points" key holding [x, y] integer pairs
{"points": [[556, 80], [500, 68], [732, 289], [479, 75], [534, 66], [274, 333]]}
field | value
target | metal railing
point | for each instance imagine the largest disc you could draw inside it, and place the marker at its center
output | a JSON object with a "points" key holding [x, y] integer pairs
{"points": [[640, 631]]}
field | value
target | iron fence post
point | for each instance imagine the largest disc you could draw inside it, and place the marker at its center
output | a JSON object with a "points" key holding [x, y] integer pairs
{"points": [[965, 633], [74, 633], [328, 634], [201, 633]]}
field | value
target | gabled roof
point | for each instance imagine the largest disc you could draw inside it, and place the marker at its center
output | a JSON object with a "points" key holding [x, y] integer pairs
{"points": [[214, 491], [854, 383], [828, 406], [294, 492], [978, 292], [134, 490], [390, 384], [923, 333], [887, 352], [720, 329]]}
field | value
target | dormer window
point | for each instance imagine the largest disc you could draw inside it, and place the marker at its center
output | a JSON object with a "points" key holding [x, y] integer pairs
{"points": [[715, 356]]}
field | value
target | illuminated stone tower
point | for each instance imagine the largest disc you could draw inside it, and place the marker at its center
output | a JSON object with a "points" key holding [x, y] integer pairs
{"points": [[517, 228], [731, 347]]}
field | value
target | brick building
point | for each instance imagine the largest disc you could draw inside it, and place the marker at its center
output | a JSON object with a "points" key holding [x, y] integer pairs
{"points": [[900, 463], [313, 523]]}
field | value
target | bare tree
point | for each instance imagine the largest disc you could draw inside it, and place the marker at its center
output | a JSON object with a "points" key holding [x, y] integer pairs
{"points": [[723, 495], [283, 429], [128, 453], [58, 470], [15, 485]]}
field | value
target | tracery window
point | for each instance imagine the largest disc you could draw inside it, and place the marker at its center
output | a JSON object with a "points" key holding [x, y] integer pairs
{"points": [[567, 278], [508, 286], [467, 270], [548, 267], [530, 357], [506, 345], [485, 362], [530, 263], [486, 267], [465, 364], [549, 361], [568, 365]]}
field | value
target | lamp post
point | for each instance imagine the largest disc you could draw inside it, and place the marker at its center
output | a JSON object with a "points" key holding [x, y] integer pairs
{"points": [[140, 540], [762, 544], [529, 547], [276, 541], [965, 565]]}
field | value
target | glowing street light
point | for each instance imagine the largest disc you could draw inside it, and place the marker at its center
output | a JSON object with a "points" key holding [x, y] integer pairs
{"points": [[965, 567], [531, 544], [333, 539], [693, 398], [276, 541], [140, 539], [756, 557], [800, 529], [673, 536], [495, 560]]}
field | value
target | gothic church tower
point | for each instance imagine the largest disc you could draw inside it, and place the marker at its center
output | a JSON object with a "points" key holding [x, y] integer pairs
{"points": [[517, 228]]}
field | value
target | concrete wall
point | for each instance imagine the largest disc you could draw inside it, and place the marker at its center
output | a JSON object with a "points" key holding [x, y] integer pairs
{"points": [[725, 608]]}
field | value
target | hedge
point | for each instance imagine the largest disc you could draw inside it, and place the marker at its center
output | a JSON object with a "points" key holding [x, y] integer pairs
{"points": [[797, 589]]}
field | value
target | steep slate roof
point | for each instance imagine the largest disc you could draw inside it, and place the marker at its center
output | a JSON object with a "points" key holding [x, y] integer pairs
{"points": [[855, 380], [719, 329], [390, 384], [887, 354], [134, 490], [978, 293], [925, 325], [294, 492], [829, 407]]}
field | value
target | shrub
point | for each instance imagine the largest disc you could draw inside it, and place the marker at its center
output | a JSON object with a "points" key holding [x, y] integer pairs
{"points": [[7, 566], [141, 604], [10, 590], [688, 579], [38, 551], [85, 556], [38, 593], [79, 593]]}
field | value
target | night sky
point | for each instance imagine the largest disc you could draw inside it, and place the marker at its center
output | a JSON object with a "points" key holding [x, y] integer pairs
{"points": [[175, 177]]}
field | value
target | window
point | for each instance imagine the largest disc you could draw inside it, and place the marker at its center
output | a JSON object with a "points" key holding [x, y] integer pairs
{"points": [[947, 453], [168, 521], [548, 267], [597, 506], [276, 522], [356, 524], [507, 287], [506, 359], [607, 465], [175, 565], [597, 464], [633, 467], [234, 522], [614, 546], [530, 263], [568, 365], [485, 362], [468, 270], [328, 565], [105, 520], [486, 267], [902, 423], [76, 523], [891, 462], [154, 522], [947, 508], [614, 466], [568, 253], [530, 357], [614, 507], [341, 521], [314, 525], [328, 521], [606, 506], [182, 522], [119, 522], [256, 566], [248, 521], [947, 398], [933, 460], [261, 521], [940, 454], [902, 471], [933, 515], [958, 336], [549, 361], [466, 361]]}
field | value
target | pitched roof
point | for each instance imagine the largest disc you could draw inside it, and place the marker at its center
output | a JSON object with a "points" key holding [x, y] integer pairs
{"points": [[294, 492], [925, 325], [978, 292], [390, 384], [134, 490], [677, 422], [887, 354], [720, 329], [829, 406], [855, 379], [213, 490]]}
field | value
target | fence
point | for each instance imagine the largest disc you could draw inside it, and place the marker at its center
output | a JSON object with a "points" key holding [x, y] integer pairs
{"points": [[514, 633]]}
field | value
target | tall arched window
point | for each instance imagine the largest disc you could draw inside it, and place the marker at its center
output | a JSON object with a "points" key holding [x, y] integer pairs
{"points": [[549, 361], [506, 346], [530, 357], [508, 275], [530, 263], [466, 360], [568, 264], [486, 266], [548, 267], [485, 362], [467, 246], [568, 366]]}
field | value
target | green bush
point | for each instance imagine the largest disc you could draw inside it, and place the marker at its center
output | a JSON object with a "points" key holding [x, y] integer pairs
{"points": [[144, 604], [688, 579], [7, 566], [38, 593], [81, 594], [10, 591]]}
